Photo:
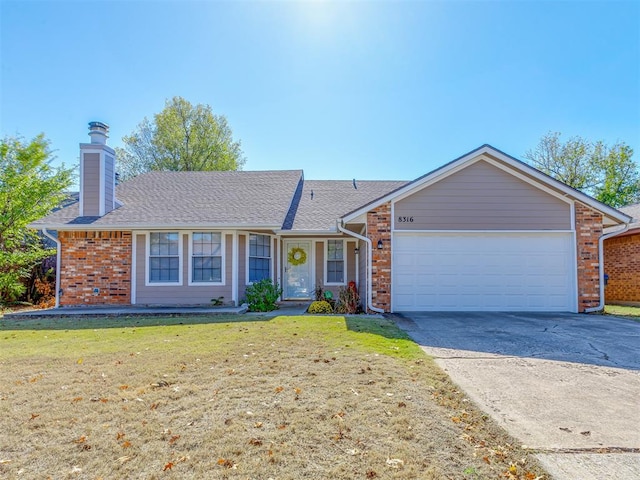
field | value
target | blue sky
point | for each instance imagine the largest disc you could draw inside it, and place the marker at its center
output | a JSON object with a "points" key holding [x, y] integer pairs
{"points": [[367, 90]]}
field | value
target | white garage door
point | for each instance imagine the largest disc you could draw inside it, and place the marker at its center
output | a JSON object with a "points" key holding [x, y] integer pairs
{"points": [[487, 271]]}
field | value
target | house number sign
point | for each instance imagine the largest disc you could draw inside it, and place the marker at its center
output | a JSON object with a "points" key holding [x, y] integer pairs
{"points": [[405, 219]]}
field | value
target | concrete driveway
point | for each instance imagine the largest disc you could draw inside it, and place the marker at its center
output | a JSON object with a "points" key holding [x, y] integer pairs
{"points": [[567, 385]]}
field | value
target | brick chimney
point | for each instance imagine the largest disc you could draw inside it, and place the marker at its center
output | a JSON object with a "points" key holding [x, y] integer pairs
{"points": [[97, 173]]}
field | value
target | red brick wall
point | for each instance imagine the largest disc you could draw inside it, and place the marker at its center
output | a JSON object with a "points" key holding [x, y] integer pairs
{"points": [[588, 231], [379, 228], [622, 264], [95, 260]]}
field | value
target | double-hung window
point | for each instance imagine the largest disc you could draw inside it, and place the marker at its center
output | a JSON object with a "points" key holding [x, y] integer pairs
{"points": [[164, 257], [335, 261], [206, 257], [259, 257]]}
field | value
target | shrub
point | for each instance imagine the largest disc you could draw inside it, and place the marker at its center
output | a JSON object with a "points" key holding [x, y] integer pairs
{"points": [[318, 291], [320, 307], [348, 300], [262, 295]]}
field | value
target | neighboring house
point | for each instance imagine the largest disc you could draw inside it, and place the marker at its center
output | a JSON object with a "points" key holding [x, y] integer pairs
{"points": [[622, 262], [483, 232]]}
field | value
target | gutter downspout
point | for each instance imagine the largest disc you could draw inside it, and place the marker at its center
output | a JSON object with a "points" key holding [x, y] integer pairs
{"points": [[58, 255], [601, 240], [369, 266]]}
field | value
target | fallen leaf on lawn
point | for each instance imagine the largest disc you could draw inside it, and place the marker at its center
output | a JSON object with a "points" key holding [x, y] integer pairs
{"points": [[530, 476], [395, 462], [174, 439], [255, 442], [281, 427], [153, 406], [82, 439], [34, 416], [76, 400], [456, 419], [486, 459], [279, 389], [123, 387], [297, 390], [79, 361], [119, 435], [258, 425], [227, 463], [168, 466], [124, 459], [126, 444], [513, 469]]}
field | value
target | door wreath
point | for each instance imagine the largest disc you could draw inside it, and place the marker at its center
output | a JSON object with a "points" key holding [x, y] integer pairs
{"points": [[297, 256]]}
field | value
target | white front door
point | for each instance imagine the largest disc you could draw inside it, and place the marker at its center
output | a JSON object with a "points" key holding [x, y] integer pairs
{"points": [[297, 270]]}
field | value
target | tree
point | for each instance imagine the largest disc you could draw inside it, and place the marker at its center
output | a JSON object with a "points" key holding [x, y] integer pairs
{"points": [[608, 173], [30, 188], [182, 137]]}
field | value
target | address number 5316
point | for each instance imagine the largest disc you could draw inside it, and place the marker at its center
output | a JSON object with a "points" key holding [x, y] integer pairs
{"points": [[405, 219]]}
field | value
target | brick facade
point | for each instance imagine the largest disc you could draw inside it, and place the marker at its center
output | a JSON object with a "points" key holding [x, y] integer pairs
{"points": [[588, 232], [91, 260], [622, 264], [379, 228]]}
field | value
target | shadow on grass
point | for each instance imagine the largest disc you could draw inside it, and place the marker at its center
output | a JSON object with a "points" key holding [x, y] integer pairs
{"points": [[384, 327], [84, 322]]}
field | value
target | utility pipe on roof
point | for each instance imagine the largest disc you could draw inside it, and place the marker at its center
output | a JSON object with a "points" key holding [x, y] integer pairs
{"points": [[58, 249], [369, 266], [601, 240]]}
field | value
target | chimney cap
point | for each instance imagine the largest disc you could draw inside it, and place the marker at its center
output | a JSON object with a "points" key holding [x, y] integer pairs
{"points": [[98, 126]]}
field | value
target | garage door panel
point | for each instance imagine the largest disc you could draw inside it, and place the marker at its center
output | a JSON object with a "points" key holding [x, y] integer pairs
{"points": [[488, 271]]}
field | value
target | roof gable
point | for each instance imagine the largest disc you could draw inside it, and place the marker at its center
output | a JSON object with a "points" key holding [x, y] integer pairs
{"points": [[510, 164]]}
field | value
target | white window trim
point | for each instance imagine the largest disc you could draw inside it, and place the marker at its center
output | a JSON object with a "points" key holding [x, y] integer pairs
{"points": [[248, 251], [147, 281], [344, 262], [223, 269]]}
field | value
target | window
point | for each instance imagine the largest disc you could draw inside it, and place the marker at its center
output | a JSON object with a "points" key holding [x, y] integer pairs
{"points": [[164, 257], [206, 257], [259, 257], [335, 261]]}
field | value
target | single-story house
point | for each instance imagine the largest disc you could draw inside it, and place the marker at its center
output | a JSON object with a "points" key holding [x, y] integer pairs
{"points": [[622, 261], [483, 232]]}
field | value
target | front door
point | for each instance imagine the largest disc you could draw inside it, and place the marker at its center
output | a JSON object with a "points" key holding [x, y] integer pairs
{"points": [[297, 270]]}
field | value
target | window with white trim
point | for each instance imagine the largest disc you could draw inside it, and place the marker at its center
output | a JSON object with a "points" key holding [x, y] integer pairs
{"points": [[206, 257], [164, 257], [335, 261], [259, 257]]}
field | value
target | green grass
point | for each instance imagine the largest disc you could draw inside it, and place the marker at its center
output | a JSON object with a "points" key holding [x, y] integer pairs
{"points": [[623, 311]]}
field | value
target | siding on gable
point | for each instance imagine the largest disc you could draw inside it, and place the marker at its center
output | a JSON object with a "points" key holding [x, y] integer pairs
{"points": [[482, 197], [109, 173], [184, 294], [91, 184]]}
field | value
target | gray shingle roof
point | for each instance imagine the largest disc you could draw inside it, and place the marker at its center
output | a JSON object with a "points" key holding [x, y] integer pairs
{"points": [[633, 211], [334, 198], [186, 199]]}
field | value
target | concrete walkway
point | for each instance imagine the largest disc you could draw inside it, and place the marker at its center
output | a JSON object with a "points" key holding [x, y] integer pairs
{"points": [[565, 385], [285, 308]]}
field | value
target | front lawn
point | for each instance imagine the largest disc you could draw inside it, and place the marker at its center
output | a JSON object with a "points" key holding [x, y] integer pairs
{"points": [[205, 397]]}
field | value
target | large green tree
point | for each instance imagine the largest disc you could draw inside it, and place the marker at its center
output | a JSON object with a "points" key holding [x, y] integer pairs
{"points": [[30, 188], [608, 173], [182, 137]]}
